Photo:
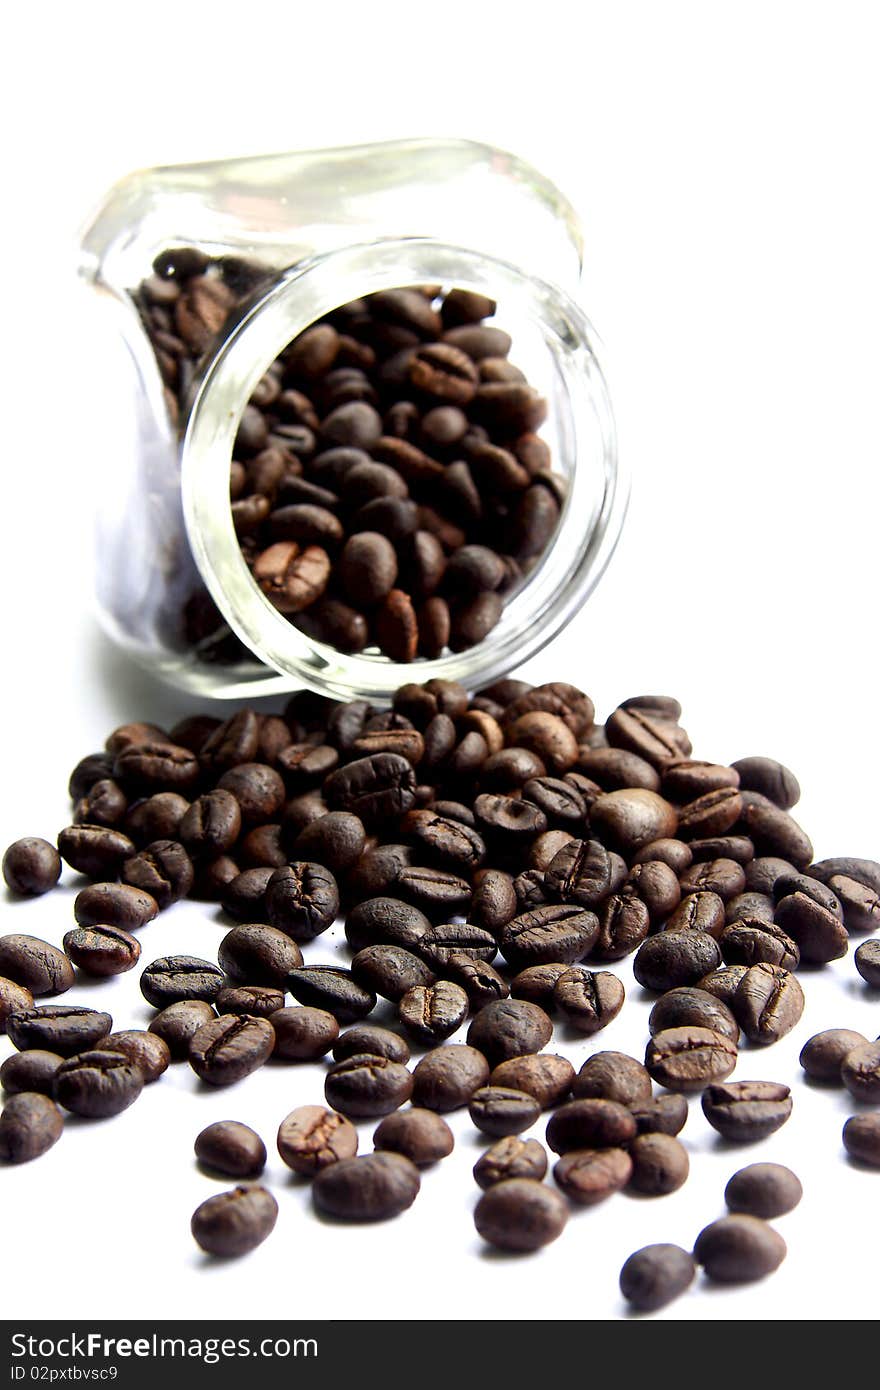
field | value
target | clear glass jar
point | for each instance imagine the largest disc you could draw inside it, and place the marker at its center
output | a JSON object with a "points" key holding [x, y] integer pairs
{"points": [[324, 228]]}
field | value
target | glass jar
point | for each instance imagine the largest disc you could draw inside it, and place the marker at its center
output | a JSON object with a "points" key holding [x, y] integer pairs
{"points": [[297, 235]]}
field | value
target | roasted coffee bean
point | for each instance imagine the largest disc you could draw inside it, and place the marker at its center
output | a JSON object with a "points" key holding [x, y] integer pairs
{"points": [[703, 912], [368, 1039], [689, 1059], [155, 767], [155, 817], [770, 778], [530, 889], [860, 905], [656, 885], [509, 770], [562, 932], [762, 873], [723, 983], [31, 866], [561, 803], [509, 1028], [520, 1214], [235, 1222], [689, 779], [306, 764], [377, 870], [588, 999], [754, 906], [163, 869], [537, 982], [820, 935], [30, 1071], [437, 892], [867, 959], [713, 813], [588, 1176], [675, 853], [98, 851], [177, 1024], [661, 1115], [89, 770], [385, 921], [97, 1084], [13, 998], [303, 1034], [501, 1110], [260, 1000], [612, 1076], [446, 840], [104, 804], [545, 1077], [737, 1249], [751, 941], [633, 817], [30, 1124], [242, 897], [212, 824], [432, 1013], [173, 978], [446, 1078], [494, 902], [302, 900], [363, 1086], [375, 788], [614, 769], [580, 873], [419, 1135], [146, 1051], [859, 1071], [864, 871], [452, 940], [658, 740], [258, 955], [660, 1164], [510, 1158], [655, 1275], [722, 876], [114, 905], [736, 847], [861, 1139], [58, 1028], [675, 958], [590, 1124], [312, 1138], [691, 1007], [390, 971], [768, 1003], [508, 818], [231, 1148], [102, 951], [763, 1189], [35, 965], [229, 1048], [374, 1187], [774, 831], [787, 884], [328, 987], [745, 1111], [335, 840], [624, 923], [822, 1055]]}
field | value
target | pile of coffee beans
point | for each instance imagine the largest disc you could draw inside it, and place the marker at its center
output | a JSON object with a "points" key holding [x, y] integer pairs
{"points": [[388, 485], [491, 857]]}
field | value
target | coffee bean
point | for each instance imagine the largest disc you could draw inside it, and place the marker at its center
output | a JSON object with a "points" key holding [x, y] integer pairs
{"points": [[231, 1148], [588, 1176], [768, 1003], [259, 1000], [859, 1071], [303, 1034], [509, 1028], [510, 1158], [97, 1084], [660, 1164], [432, 1013], [546, 935], [102, 951], [631, 818], [792, 882], [774, 831], [820, 936], [624, 923], [722, 876], [703, 911], [746, 1111], [739, 848], [493, 904], [675, 853], [501, 1110], [254, 954], [363, 1086], [114, 905], [548, 1079], [35, 965], [419, 1135], [155, 767], [655, 1275], [657, 740], [758, 907], [661, 1115], [30, 1071], [763, 1189], [58, 1028], [537, 982], [177, 1024], [163, 869], [31, 867], [723, 983], [30, 1124], [590, 1124], [156, 817], [520, 1214], [612, 1076], [751, 941], [390, 971], [690, 1006], [229, 1048], [689, 1059], [688, 779], [861, 1139], [312, 1138], [173, 978], [737, 1249], [98, 851], [770, 778], [860, 905], [212, 824], [235, 1222], [335, 840], [333, 989], [446, 1078], [588, 999], [13, 998], [375, 788], [374, 1187], [302, 900], [864, 871], [713, 813], [385, 921], [579, 873], [614, 769], [147, 1051], [450, 941], [675, 958], [822, 1055], [867, 959]]}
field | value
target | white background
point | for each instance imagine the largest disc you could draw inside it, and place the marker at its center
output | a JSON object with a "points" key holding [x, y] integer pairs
{"points": [[724, 160]]}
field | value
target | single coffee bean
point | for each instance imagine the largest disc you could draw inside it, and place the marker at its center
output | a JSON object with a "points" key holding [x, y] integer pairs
{"points": [[510, 1158], [260, 1000], [655, 1275], [661, 1115], [860, 905], [58, 1028], [675, 958], [30, 1071], [692, 1007], [502, 1110], [163, 869], [493, 904], [762, 873], [739, 848], [102, 951], [30, 1123], [153, 767], [520, 1214], [632, 817], [723, 983], [763, 1189], [770, 778], [376, 788], [612, 1076], [675, 853], [437, 892], [689, 1059], [173, 978], [229, 1048], [390, 971], [231, 1148], [756, 907], [561, 932], [235, 1222], [303, 1034], [861, 1139], [145, 1050], [35, 965], [737, 1249], [432, 1013], [774, 831], [243, 896], [822, 1055], [746, 1111], [660, 1164], [114, 905], [698, 912], [363, 1086], [547, 1078], [374, 1187], [154, 818], [588, 999], [98, 1084], [312, 1138], [590, 1124], [751, 941], [713, 813], [509, 1028], [385, 921], [580, 872], [820, 935], [13, 999], [767, 1004], [419, 1135], [864, 871], [98, 851], [450, 940], [446, 1078], [212, 824], [657, 886], [689, 779], [860, 1072], [722, 876], [31, 866], [335, 840], [328, 987], [537, 982], [254, 954], [302, 900], [177, 1024], [213, 877], [787, 884], [624, 923], [867, 959], [588, 1176]]}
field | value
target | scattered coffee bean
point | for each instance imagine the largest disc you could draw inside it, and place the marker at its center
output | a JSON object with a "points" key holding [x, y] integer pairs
{"points": [[820, 936], [867, 960], [374, 1187], [372, 1041], [590, 1124], [146, 1051], [13, 999], [446, 1078], [302, 900], [235, 1222], [588, 999], [31, 866], [768, 1003], [98, 1084], [520, 1214], [30, 1123], [661, 1115], [823, 1054], [612, 1076], [655, 1275], [364, 1086], [30, 1071], [171, 979], [231, 1148], [861, 1139], [763, 1189], [509, 1028], [688, 1007], [311, 1138], [58, 1028], [746, 1111], [230, 1047], [674, 958], [102, 951], [510, 1158], [859, 1071], [260, 1000], [737, 1249], [588, 1176], [660, 1164], [34, 964], [545, 1077], [751, 942], [431, 1013], [303, 1034], [328, 987], [177, 1024], [500, 1110], [689, 1059], [419, 1135]]}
